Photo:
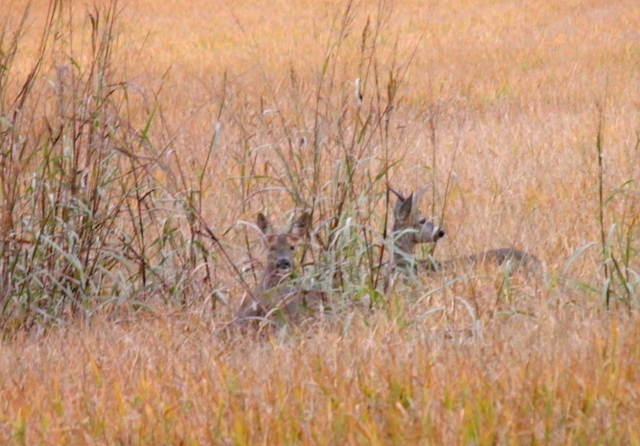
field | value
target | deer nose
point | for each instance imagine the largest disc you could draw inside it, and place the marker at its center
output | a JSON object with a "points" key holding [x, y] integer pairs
{"points": [[283, 264], [438, 234]]}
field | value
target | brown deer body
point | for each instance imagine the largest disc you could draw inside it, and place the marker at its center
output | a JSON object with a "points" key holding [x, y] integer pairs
{"points": [[512, 258], [276, 296], [411, 228]]}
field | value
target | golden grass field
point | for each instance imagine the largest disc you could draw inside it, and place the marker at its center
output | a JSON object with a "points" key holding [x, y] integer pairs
{"points": [[502, 100]]}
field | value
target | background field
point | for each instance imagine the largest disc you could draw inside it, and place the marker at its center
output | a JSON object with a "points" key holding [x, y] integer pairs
{"points": [[138, 151]]}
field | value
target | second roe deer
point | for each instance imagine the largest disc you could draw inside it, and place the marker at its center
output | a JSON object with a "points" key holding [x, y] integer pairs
{"points": [[410, 228], [276, 294]]}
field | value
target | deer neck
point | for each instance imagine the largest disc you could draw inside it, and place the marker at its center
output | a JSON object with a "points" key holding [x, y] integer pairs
{"points": [[404, 250]]}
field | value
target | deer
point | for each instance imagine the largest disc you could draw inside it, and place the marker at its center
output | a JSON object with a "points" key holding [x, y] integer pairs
{"points": [[411, 228], [276, 294]]}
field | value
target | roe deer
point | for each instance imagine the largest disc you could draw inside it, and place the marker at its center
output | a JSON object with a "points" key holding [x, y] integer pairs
{"points": [[276, 295], [411, 228]]}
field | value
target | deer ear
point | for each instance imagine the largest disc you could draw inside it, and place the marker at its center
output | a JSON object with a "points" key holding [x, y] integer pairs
{"points": [[301, 225], [263, 224], [403, 208]]}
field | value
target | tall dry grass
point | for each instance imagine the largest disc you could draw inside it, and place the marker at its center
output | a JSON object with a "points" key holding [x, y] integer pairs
{"points": [[559, 378], [132, 156]]}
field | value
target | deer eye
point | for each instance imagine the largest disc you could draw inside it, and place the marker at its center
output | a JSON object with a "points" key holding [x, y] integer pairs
{"points": [[423, 221], [292, 247]]}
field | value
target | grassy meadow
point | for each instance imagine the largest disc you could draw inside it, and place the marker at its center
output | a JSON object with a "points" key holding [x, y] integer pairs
{"points": [[139, 140]]}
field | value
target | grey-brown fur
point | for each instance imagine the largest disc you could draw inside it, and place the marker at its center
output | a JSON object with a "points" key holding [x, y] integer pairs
{"points": [[411, 229], [512, 258], [276, 296]]}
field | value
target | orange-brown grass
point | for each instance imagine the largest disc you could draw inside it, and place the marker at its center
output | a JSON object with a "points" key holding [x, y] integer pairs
{"points": [[561, 378], [500, 104]]}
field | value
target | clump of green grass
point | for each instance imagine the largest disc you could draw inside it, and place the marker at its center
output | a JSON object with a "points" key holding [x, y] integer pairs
{"points": [[616, 279], [329, 152], [93, 214]]}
